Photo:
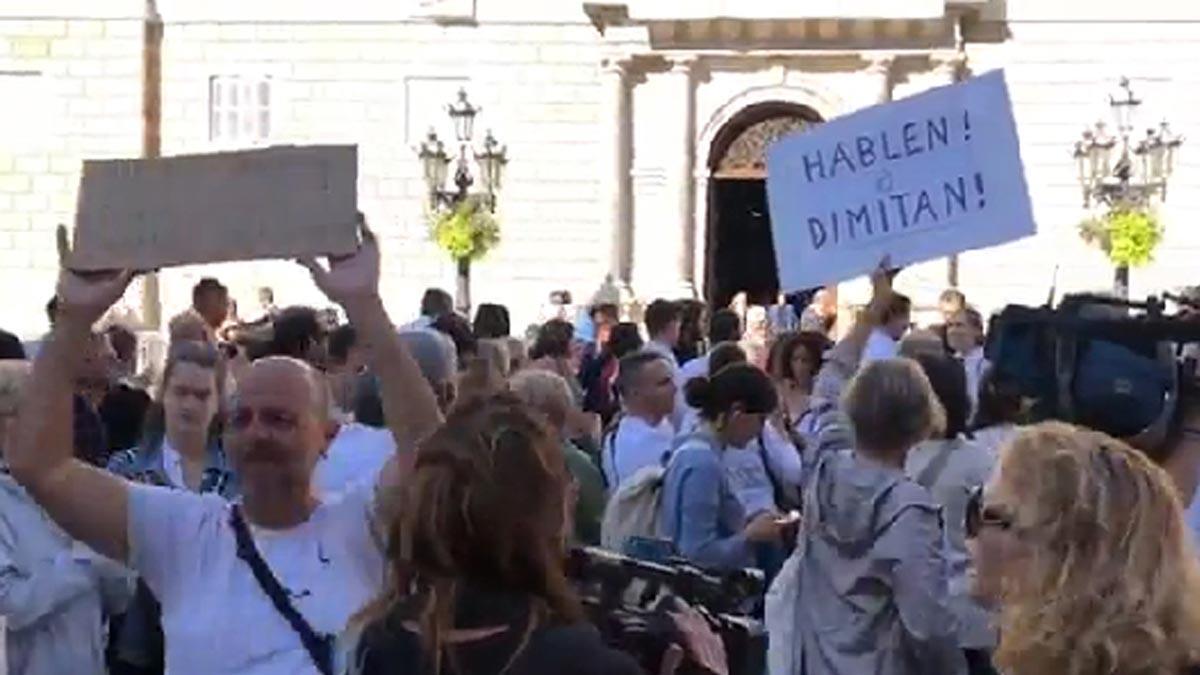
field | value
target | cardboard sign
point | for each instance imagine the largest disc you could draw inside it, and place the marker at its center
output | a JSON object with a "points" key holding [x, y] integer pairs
{"points": [[279, 202], [924, 177]]}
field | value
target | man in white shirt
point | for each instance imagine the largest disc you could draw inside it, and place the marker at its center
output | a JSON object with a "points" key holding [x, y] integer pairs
{"points": [[723, 326], [663, 323], [435, 303], [324, 553], [965, 337], [884, 340], [645, 434], [356, 455]]}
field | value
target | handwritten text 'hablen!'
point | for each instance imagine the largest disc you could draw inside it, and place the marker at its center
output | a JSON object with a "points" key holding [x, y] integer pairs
{"points": [[866, 150]]}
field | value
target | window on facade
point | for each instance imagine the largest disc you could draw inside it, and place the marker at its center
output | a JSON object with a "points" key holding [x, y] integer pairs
{"points": [[24, 125], [239, 109]]}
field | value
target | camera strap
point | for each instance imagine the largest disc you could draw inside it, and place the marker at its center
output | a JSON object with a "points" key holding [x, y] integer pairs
{"points": [[319, 647]]}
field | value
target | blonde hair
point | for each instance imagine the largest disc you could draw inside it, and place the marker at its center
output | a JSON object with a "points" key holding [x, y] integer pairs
{"points": [[892, 406], [495, 352], [188, 326], [485, 373], [546, 392], [1113, 583]]}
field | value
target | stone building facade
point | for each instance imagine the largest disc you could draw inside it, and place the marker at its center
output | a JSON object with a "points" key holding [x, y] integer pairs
{"points": [[634, 127]]}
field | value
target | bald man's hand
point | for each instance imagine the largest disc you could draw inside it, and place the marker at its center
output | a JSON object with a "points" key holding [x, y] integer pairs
{"points": [[351, 278], [410, 407]]}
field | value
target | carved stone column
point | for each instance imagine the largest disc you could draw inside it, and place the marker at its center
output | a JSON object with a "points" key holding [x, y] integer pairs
{"points": [[879, 78], [681, 184], [616, 181], [946, 71]]}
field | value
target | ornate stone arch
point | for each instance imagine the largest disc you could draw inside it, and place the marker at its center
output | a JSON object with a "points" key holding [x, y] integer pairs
{"points": [[748, 117], [824, 104], [740, 148]]}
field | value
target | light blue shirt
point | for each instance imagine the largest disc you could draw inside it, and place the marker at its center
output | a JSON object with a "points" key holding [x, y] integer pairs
{"points": [[54, 593], [1192, 516]]}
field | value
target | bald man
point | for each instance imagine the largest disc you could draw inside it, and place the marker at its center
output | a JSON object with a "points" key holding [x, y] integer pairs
{"points": [[262, 587]]}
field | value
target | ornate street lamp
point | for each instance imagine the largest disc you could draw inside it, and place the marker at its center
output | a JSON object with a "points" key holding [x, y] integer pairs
{"points": [[490, 161], [1123, 182], [491, 164], [1125, 185], [435, 163]]}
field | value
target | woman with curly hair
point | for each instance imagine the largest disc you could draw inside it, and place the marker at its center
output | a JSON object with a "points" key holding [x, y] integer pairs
{"points": [[793, 363], [1080, 541]]}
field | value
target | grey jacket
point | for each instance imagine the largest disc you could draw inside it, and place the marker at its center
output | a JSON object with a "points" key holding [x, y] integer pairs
{"points": [[965, 467], [53, 593], [873, 579]]}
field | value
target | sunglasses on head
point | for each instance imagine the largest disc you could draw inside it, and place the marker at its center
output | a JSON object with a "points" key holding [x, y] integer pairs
{"points": [[980, 516]]}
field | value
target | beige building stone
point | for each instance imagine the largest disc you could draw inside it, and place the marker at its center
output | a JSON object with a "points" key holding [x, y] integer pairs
{"points": [[615, 114]]}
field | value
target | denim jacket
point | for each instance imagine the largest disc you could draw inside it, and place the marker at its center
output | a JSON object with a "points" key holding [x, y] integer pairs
{"points": [[701, 514], [139, 641], [144, 464]]}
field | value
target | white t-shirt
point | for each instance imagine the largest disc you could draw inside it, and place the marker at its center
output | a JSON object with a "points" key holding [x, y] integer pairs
{"points": [[173, 465], [689, 418], [356, 455], [634, 446], [879, 346], [974, 366], [216, 618]]}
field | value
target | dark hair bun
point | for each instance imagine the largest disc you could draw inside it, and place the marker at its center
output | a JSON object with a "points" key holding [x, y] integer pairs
{"points": [[736, 385], [698, 392]]}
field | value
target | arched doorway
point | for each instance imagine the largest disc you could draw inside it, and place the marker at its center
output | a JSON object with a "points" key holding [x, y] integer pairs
{"points": [[740, 251]]}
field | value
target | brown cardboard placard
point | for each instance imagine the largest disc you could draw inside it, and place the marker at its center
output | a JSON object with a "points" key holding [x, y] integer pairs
{"points": [[278, 202]]}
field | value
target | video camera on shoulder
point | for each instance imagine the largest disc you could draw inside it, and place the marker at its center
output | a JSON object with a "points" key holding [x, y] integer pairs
{"points": [[629, 601], [1105, 363]]}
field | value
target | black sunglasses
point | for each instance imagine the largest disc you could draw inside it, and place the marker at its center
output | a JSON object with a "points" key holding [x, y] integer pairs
{"points": [[979, 516]]}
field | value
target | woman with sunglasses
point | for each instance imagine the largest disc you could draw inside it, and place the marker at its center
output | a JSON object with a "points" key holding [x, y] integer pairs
{"points": [[1079, 541]]}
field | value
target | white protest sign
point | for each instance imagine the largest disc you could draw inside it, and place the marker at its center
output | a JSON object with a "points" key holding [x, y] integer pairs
{"points": [[927, 176], [280, 202]]}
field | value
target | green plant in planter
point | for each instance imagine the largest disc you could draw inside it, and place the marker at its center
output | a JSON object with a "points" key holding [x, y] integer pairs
{"points": [[467, 232], [1128, 236]]}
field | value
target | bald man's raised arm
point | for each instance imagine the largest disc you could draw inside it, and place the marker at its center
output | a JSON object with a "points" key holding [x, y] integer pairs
{"points": [[89, 504]]}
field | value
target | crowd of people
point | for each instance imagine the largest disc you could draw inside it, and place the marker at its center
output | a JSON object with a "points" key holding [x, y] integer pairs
{"points": [[295, 495]]}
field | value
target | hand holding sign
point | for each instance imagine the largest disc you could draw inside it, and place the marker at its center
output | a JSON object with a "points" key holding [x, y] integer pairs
{"points": [[351, 277], [86, 296]]}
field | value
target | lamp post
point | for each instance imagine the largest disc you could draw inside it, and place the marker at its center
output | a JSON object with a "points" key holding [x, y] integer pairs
{"points": [[490, 161], [1140, 171]]}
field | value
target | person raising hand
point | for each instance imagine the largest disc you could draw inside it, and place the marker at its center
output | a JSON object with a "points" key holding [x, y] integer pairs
{"points": [[269, 579]]}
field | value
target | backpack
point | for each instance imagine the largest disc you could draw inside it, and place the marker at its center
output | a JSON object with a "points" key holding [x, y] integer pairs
{"points": [[634, 509]]}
